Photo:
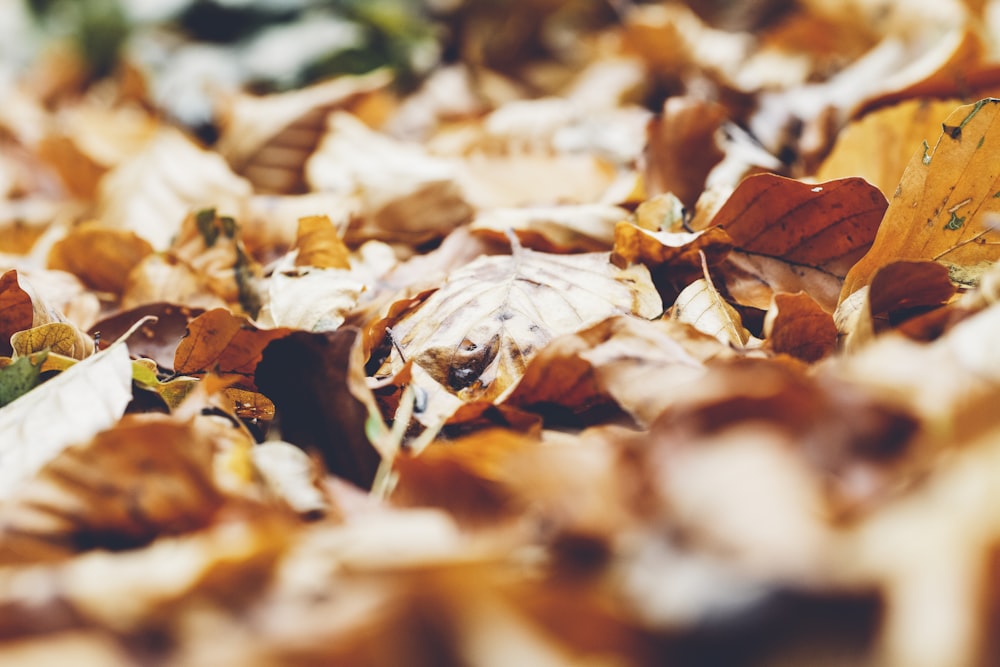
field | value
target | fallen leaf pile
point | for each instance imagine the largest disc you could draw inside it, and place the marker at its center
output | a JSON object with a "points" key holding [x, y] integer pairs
{"points": [[503, 333]]}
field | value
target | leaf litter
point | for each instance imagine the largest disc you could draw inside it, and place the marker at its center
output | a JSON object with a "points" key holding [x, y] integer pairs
{"points": [[563, 334]]}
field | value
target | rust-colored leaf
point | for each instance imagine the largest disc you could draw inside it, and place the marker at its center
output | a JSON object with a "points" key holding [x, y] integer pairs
{"points": [[16, 312], [786, 231], [798, 326]]}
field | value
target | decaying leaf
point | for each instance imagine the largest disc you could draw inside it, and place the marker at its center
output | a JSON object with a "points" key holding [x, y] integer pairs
{"points": [[319, 244], [580, 228], [476, 334]]}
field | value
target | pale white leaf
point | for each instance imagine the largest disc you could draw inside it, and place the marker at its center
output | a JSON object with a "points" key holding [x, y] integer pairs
{"points": [[72, 407]]}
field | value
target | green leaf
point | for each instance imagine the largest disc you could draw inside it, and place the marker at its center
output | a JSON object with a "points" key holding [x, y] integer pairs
{"points": [[21, 376]]}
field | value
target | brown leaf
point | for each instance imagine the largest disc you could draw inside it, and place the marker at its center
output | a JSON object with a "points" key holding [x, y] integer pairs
{"points": [[476, 334], [789, 232], [157, 338], [100, 256], [681, 147], [16, 311], [114, 492], [307, 375], [798, 326], [560, 229], [944, 207], [700, 305], [221, 342]]}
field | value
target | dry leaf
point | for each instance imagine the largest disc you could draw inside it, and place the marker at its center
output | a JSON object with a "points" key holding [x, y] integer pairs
{"points": [[476, 334], [16, 311], [897, 131], [220, 342], [309, 299], [320, 245], [943, 207], [85, 399], [59, 337], [99, 256], [700, 305], [267, 139], [151, 193], [797, 325], [792, 236], [681, 149], [579, 228], [405, 193]]}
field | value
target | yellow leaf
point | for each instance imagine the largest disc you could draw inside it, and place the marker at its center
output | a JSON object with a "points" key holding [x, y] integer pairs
{"points": [[59, 337], [319, 244]]}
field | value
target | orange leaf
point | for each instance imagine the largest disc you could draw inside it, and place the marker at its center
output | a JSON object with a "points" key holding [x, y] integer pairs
{"points": [[100, 256], [222, 342], [319, 244], [944, 203]]}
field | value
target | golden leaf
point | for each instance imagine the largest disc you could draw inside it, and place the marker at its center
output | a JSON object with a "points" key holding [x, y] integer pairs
{"points": [[476, 334], [320, 245], [59, 337], [945, 206]]}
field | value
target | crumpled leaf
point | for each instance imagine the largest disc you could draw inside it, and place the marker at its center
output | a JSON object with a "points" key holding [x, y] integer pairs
{"points": [[163, 324], [100, 256], [152, 192], [71, 407], [220, 342], [211, 246], [405, 193], [791, 236], [59, 337], [477, 332], [945, 202]]}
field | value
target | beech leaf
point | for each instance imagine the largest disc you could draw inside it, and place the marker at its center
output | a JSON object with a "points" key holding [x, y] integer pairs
{"points": [[946, 202], [59, 337], [476, 334], [813, 233], [700, 305]]}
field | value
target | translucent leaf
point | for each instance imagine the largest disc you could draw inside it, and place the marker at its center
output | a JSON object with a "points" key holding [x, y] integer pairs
{"points": [[701, 306], [59, 337]]}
